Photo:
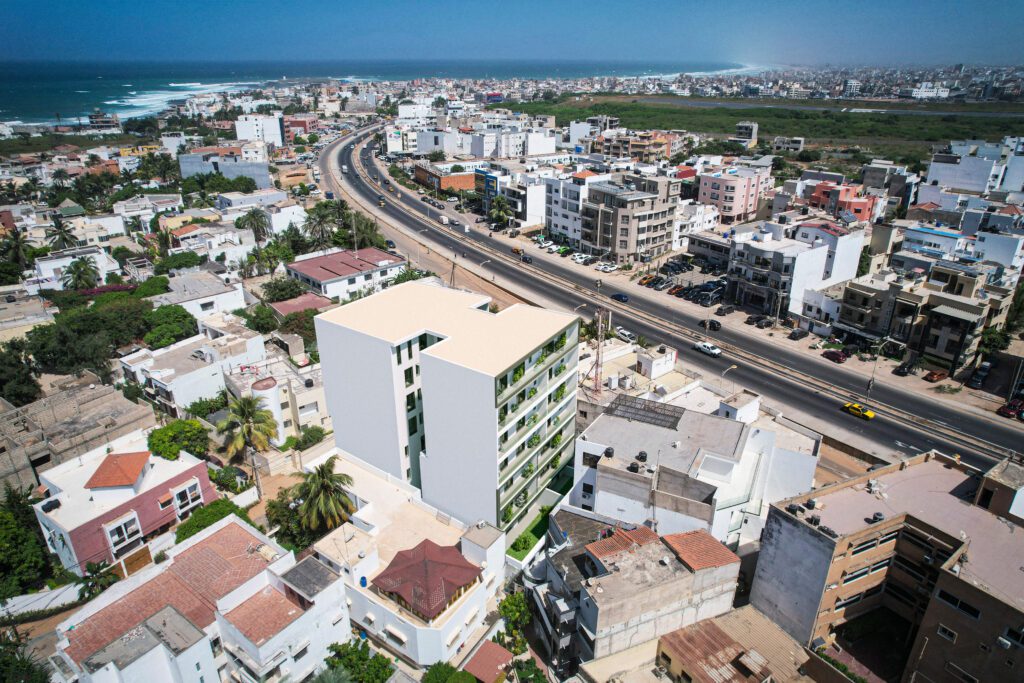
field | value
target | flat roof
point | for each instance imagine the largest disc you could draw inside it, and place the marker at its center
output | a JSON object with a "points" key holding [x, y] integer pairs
{"points": [[939, 494], [188, 286], [474, 338]]}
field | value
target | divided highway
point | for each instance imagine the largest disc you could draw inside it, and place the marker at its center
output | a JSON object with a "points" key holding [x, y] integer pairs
{"points": [[775, 372]]}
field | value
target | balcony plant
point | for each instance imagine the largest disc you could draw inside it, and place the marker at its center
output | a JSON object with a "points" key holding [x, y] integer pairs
{"points": [[518, 374], [532, 392], [527, 470], [533, 440], [560, 369], [556, 440], [534, 419], [554, 462], [560, 393]]}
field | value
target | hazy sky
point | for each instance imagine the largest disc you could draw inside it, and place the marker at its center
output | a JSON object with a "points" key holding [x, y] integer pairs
{"points": [[752, 32]]}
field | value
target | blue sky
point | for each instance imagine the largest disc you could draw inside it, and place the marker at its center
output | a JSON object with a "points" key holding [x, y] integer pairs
{"points": [[752, 32]]}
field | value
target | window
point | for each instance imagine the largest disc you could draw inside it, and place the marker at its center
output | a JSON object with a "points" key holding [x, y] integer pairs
{"points": [[287, 423], [879, 566], [960, 674], [1016, 635], [122, 534], [187, 498], [864, 547], [164, 504], [859, 574], [947, 633], [588, 488], [843, 604], [351, 280], [408, 377], [966, 608], [208, 306], [413, 426]]}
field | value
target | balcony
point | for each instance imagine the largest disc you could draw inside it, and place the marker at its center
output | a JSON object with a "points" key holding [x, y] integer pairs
{"points": [[540, 448], [545, 361]]}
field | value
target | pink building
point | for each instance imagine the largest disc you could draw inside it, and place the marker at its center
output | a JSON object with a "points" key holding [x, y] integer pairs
{"points": [[735, 192], [835, 199], [107, 504]]}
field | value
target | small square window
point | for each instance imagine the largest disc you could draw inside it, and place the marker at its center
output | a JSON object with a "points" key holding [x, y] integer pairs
{"points": [[947, 633]]}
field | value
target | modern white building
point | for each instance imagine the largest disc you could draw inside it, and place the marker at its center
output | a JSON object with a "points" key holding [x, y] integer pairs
{"points": [[50, 269], [418, 582], [248, 200], [563, 199], [144, 207], [344, 273], [475, 408], [227, 604], [262, 127], [965, 172], [283, 214], [692, 218]]}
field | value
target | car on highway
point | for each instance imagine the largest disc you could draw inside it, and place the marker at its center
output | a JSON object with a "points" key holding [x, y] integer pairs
{"points": [[858, 410], [936, 376], [621, 298], [625, 335], [526, 259], [708, 348], [710, 325], [518, 251], [390, 244], [835, 355], [1012, 409]]}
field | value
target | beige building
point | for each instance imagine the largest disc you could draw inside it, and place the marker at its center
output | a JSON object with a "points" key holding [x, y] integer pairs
{"points": [[934, 541], [646, 146], [630, 217]]}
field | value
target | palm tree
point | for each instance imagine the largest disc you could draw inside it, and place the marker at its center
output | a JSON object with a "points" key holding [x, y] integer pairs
{"points": [[320, 227], [254, 219], [135, 224], [325, 504], [248, 428], [15, 248], [81, 273], [60, 177], [501, 212], [98, 577], [163, 242], [61, 235]]}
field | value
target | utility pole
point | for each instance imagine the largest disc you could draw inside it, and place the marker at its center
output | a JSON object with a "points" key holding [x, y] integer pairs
{"points": [[599, 320]]}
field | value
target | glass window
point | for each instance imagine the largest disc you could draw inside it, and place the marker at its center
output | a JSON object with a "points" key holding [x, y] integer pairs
{"points": [[947, 633]]}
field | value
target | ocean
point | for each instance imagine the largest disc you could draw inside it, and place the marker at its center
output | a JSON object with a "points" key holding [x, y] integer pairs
{"points": [[43, 92]]}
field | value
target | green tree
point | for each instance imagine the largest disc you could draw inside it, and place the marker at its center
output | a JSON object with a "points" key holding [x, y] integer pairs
{"points": [[61, 235], [355, 658], [98, 578], [501, 212], [10, 273], [993, 340], [206, 516], [158, 284], [440, 672], [436, 156], [17, 662], [81, 273], [281, 289], [261, 319], [300, 323], [22, 560], [458, 168], [325, 504], [515, 610], [17, 383], [323, 220], [257, 221], [338, 675], [180, 435], [527, 671], [864, 264], [169, 324], [248, 427], [15, 248]]}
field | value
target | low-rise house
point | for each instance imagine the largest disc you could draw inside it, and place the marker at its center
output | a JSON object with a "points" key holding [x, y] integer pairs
{"points": [[934, 542], [229, 162], [193, 368], [342, 273], [605, 587], [50, 269], [145, 206], [248, 200], [228, 604], [419, 582], [200, 293], [107, 504], [285, 213], [219, 242], [20, 312]]}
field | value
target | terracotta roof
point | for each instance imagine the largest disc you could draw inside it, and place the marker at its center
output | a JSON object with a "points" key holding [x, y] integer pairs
{"points": [[118, 469], [622, 540], [343, 264], [1011, 210], [302, 302], [927, 205], [489, 663], [264, 615], [585, 173], [192, 583], [700, 550], [185, 229], [427, 577]]}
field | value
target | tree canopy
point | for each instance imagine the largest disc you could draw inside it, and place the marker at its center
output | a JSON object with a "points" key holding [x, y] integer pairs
{"points": [[208, 515], [179, 435]]}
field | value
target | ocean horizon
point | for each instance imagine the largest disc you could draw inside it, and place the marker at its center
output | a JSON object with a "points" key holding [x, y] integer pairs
{"points": [[45, 92]]}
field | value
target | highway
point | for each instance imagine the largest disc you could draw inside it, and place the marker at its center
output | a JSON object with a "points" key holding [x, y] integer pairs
{"points": [[773, 372]]}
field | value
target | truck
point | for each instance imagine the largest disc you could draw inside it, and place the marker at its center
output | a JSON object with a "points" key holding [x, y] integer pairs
{"points": [[443, 220], [344, 168]]}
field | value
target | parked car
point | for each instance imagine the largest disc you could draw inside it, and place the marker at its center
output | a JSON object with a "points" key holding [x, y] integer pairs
{"points": [[753, 319], [1012, 409], [625, 335], [936, 376], [662, 286], [644, 280], [858, 410], [389, 244], [513, 233], [903, 369], [621, 298], [977, 380], [835, 355], [554, 248], [590, 260], [546, 244], [798, 333], [708, 348], [764, 323], [673, 289], [725, 310], [564, 251], [607, 268], [711, 325]]}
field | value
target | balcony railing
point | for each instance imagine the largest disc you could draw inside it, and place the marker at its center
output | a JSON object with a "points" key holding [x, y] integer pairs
{"points": [[546, 433], [530, 373]]}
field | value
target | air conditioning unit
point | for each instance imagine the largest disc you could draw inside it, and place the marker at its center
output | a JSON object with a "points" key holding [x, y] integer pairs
{"points": [[1003, 642]]}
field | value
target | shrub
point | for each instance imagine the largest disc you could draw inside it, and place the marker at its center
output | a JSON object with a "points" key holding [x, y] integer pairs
{"points": [[209, 515], [180, 435], [281, 289], [158, 284]]}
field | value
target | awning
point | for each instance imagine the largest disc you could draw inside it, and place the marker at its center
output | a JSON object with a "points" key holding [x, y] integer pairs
{"points": [[396, 634], [164, 499], [472, 616], [452, 638], [956, 313]]}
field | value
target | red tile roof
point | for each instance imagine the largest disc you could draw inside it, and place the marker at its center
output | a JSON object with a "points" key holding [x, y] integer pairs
{"points": [[343, 264], [264, 615], [427, 577], [118, 469], [585, 173], [192, 583], [930, 206], [622, 540], [489, 663], [700, 550], [302, 302]]}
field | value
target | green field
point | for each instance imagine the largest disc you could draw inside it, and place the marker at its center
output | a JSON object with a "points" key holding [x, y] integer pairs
{"points": [[824, 127], [43, 143]]}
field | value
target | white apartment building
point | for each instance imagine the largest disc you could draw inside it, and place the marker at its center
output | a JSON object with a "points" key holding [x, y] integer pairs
{"points": [[283, 214], [400, 140], [144, 207], [193, 368], [420, 583], [227, 604], [216, 241], [692, 218], [261, 127], [475, 408], [50, 269], [563, 199]]}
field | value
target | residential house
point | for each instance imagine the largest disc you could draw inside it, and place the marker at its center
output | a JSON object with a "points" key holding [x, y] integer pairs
{"points": [[200, 293], [343, 273]]}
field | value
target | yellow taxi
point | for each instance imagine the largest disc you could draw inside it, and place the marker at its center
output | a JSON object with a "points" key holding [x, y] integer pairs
{"points": [[857, 410]]}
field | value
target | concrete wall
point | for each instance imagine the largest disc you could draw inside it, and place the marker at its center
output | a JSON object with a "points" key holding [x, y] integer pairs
{"points": [[791, 573]]}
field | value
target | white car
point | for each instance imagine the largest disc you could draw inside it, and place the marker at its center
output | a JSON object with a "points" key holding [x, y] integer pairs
{"points": [[579, 258], [607, 268], [552, 248], [452, 199], [625, 335], [546, 244], [708, 348]]}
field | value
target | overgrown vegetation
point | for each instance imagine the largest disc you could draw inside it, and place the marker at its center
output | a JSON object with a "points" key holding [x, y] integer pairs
{"points": [[208, 515], [180, 435], [515, 610], [531, 536], [355, 658]]}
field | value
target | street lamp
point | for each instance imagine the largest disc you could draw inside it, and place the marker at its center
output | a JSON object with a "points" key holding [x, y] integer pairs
{"points": [[731, 367], [579, 307]]}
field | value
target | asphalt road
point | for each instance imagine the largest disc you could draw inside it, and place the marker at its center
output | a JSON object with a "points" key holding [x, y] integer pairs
{"points": [[903, 437]]}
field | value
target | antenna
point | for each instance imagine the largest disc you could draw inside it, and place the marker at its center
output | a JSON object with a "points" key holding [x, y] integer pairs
{"points": [[600, 320]]}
